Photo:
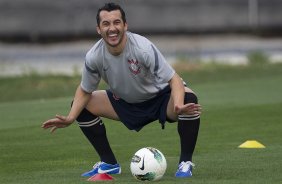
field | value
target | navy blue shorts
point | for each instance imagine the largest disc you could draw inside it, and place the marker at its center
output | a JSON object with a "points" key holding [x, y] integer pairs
{"points": [[136, 115]]}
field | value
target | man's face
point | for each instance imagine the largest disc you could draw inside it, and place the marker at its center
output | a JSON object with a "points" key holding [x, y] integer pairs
{"points": [[112, 27]]}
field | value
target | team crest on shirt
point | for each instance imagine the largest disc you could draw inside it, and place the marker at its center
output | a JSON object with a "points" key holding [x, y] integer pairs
{"points": [[134, 67]]}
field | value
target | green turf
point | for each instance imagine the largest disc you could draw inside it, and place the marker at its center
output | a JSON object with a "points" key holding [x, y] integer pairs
{"points": [[239, 104]]}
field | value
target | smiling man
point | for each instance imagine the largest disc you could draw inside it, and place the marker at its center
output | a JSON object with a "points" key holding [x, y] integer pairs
{"points": [[112, 27], [143, 88]]}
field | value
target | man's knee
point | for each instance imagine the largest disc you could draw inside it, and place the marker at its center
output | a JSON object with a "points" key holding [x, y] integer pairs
{"points": [[190, 98], [86, 118]]}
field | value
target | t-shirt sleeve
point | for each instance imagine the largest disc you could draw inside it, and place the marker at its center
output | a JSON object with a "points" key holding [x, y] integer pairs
{"points": [[159, 67], [90, 76]]}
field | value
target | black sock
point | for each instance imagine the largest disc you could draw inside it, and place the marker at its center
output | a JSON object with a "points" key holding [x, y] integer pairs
{"points": [[188, 132], [188, 128], [95, 131]]}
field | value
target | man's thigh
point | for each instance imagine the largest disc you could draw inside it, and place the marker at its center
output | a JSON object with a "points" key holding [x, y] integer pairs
{"points": [[100, 105]]}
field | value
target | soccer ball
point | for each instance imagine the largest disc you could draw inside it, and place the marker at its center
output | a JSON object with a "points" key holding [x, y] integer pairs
{"points": [[148, 164]]}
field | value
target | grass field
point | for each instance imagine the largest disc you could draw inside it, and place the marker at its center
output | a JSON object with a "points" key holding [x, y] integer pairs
{"points": [[239, 104]]}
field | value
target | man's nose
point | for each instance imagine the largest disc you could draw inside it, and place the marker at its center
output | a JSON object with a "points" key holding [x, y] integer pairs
{"points": [[112, 27]]}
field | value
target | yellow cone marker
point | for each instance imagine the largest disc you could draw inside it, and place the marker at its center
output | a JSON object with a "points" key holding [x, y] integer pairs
{"points": [[251, 144]]}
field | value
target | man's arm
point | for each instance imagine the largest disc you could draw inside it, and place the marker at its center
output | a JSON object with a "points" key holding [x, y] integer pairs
{"points": [[177, 94], [81, 99], [177, 90]]}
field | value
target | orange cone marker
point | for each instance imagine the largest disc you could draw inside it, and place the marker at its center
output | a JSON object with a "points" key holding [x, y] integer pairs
{"points": [[100, 177]]}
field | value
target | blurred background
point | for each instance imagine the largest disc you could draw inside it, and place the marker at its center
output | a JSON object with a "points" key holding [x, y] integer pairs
{"points": [[228, 51], [53, 36]]}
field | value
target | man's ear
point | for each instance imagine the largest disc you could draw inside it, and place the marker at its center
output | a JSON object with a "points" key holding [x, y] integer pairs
{"points": [[98, 30], [125, 26]]}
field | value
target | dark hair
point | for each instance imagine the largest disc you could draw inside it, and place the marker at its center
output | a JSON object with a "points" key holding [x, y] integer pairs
{"points": [[110, 7]]}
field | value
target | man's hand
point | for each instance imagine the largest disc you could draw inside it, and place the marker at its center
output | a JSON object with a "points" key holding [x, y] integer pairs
{"points": [[57, 122], [189, 109]]}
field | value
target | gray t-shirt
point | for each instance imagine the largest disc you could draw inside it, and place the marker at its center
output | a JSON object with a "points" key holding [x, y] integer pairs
{"points": [[136, 75]]}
